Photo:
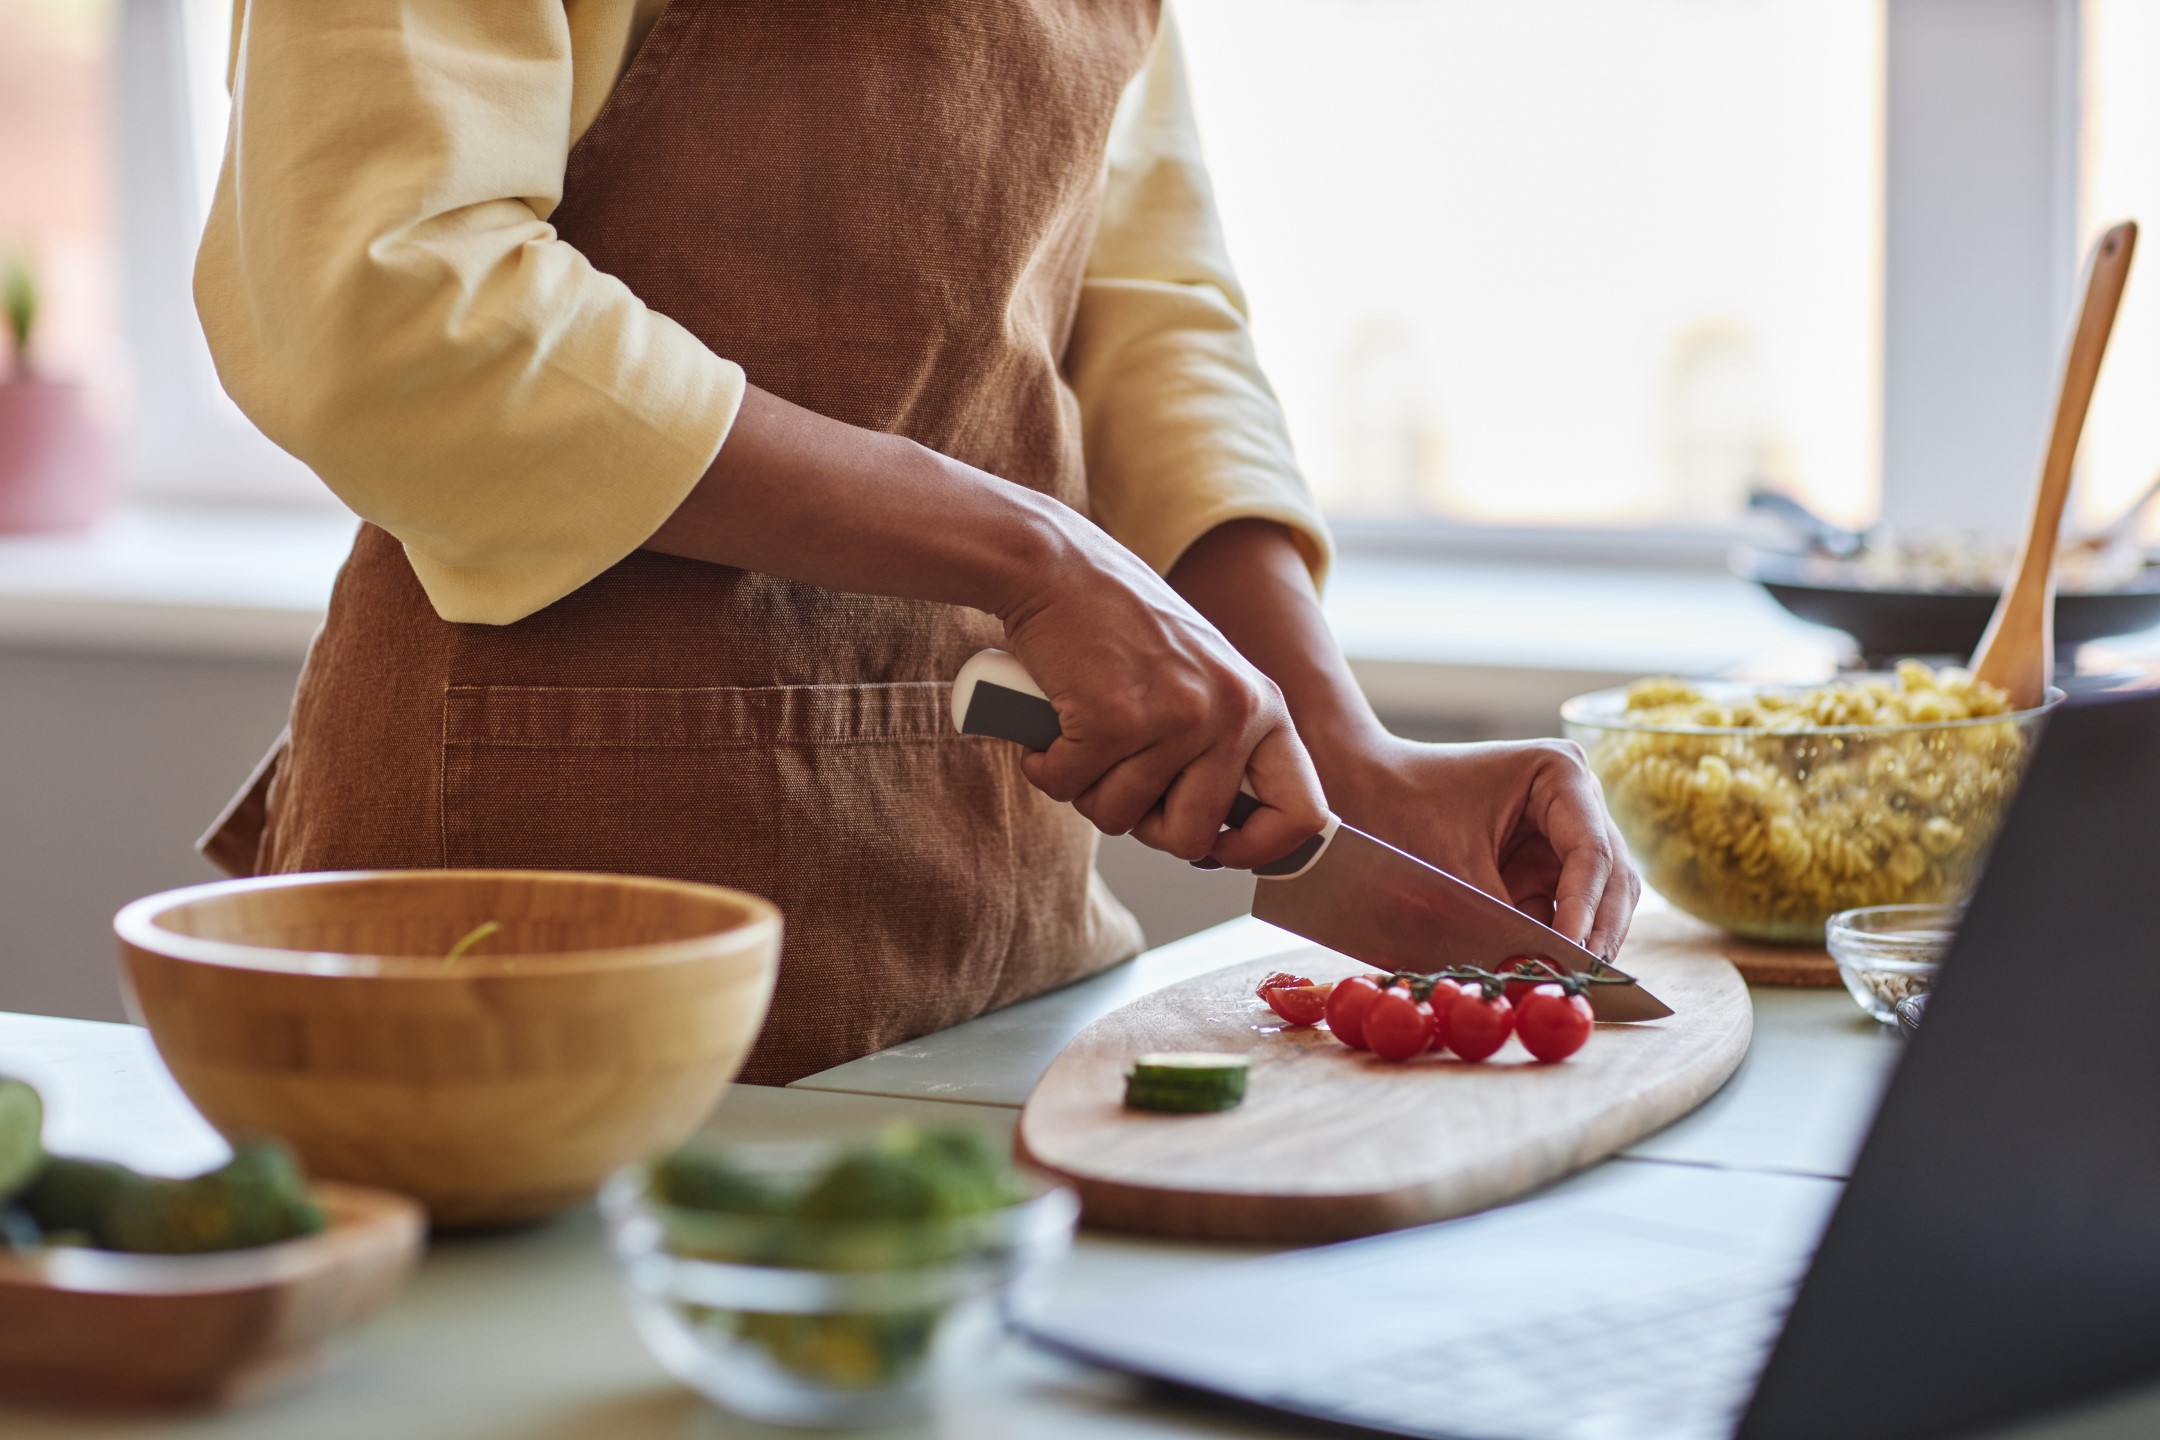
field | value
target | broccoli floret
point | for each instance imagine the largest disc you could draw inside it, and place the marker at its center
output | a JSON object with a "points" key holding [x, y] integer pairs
{"points": [[912, 1174], [699, 1178]]}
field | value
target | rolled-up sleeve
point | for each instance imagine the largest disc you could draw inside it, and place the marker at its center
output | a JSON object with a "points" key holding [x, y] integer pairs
{"points": [[385, 299], [1181, 430]]}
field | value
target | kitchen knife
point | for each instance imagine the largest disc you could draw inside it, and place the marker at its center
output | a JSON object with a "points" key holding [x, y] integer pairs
{"points": [[1342, 888]]}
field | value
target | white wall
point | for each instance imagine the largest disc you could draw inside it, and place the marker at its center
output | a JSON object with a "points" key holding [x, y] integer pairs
{"points": [[110, 765]]}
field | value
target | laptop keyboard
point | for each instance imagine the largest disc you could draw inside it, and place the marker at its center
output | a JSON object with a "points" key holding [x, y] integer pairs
{"points": [[1677, 1363]]}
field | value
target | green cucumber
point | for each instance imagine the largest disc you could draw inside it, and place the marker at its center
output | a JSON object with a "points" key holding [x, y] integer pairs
{"points": [[1185, 1083], [22, 1119], [71, 1195]]}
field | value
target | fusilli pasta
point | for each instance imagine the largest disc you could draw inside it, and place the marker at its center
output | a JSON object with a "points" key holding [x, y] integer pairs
{"points": [[1767, 811]]}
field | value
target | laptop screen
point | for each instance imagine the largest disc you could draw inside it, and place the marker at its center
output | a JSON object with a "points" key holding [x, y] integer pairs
{"points": [[1997, 1252]]}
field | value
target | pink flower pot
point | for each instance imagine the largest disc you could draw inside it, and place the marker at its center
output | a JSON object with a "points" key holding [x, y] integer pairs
{"points": [[55, 467]]}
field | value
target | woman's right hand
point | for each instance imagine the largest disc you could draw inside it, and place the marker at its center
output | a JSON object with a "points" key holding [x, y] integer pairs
{"points": [[1162, 717]]}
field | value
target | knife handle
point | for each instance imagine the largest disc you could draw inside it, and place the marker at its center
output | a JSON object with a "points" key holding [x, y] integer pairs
{"points": [[994, 695]]}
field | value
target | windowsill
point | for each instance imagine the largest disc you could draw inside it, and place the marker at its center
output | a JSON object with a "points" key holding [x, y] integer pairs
{"points": [[1426, 636], [235, 583]]}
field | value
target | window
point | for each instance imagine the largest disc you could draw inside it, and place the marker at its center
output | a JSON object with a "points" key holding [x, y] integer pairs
{"points": [[2121, 178], [1574, 261], [112, 123], [55, 193], [1538, 266]]}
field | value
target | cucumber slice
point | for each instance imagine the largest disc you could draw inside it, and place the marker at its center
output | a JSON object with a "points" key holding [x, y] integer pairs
{"points": [[22, 1118], [1186, 1083]]}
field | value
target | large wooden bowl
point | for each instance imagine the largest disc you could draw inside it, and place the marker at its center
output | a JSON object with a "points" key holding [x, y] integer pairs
{"points": [[89, 1327], [598, 1026]]}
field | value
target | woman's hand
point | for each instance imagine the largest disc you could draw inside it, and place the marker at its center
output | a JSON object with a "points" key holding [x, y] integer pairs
{"points": [[1152, 699], [1162, 717], [1522, 820]]}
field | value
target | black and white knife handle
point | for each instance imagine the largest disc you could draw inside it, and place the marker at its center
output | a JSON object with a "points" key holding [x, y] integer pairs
{"points": [[994, 695]]}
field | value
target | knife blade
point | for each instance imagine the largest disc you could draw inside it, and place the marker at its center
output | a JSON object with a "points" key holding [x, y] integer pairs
{"points": [[1342, 889]]}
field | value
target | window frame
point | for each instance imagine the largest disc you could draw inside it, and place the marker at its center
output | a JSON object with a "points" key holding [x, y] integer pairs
{"points": [[184, 440], [1978, 264]]}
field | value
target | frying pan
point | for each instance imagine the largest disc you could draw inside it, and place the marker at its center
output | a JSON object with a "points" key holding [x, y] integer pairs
{"points": [[1888, 624]]}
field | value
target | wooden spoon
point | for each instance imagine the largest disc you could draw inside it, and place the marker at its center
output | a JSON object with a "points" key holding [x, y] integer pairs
{"points": [[2018, 650]]}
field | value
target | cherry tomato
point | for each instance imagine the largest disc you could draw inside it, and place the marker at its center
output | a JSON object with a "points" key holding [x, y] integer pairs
{"points": [[1540, 971], [1398, 1027], [1551, 1023], [1444, 995], [1277, 979], [1299, 1003], [1347, 1007], [1477, 1026]]}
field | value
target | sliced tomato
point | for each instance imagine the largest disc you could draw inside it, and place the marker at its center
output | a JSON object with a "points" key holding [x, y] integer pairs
{"points": [[1304, 1004], [1347, 1007], [1553, 1024]]}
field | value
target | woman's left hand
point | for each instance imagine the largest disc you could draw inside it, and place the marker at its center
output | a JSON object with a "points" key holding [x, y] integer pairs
{"points": [[1522, 820]]}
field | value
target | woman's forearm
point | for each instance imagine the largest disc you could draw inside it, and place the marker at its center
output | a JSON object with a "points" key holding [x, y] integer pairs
{"points": [[795, 494], [1249, 579], [1160, 715]]}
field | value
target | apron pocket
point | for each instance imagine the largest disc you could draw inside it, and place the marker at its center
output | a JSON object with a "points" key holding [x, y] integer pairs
{"points": [[695, 782], [922, 880]]}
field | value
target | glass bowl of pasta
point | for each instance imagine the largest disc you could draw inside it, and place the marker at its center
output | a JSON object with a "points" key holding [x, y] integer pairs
{"points": [[1766, 810]]}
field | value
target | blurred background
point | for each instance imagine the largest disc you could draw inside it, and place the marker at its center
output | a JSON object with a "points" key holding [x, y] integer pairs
{"points": [[1545, 288]]}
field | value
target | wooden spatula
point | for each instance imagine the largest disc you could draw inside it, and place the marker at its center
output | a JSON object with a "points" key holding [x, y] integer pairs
{"points": [[2018, 649]]}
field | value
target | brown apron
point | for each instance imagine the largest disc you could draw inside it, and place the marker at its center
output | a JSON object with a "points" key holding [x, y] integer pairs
{"points": [[883, 211]]}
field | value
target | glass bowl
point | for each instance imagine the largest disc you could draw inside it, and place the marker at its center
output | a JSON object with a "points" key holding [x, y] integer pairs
{"points": [[1888, 953], [798, 1322], [1768, 833]]}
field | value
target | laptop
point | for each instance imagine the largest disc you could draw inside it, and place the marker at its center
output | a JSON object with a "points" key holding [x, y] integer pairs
{"points": [[1995, 1254]]}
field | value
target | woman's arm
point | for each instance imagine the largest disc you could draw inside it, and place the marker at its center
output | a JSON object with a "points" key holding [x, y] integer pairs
{"points": [[1521, 820], [1150, 696], [385, 298]]}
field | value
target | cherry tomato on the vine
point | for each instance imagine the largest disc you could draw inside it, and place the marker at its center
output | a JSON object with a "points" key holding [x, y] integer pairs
{"points": [[1477, 1026], [1551, 1023], [1398, 1027], [1298, 1000], [1540, 971], [1444, 995], [1347, 1006]]}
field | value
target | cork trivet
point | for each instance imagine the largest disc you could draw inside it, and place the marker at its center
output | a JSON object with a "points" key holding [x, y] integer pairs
{"points": [[1759, 962]]}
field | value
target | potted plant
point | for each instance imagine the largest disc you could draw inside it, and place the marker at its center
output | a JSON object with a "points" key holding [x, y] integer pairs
{"points": [[54, 465]]}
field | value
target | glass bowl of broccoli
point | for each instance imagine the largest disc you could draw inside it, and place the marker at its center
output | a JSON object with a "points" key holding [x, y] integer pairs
{"points": [[822, 1284]]}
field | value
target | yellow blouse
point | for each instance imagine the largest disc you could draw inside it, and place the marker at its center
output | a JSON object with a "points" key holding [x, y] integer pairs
{"points": [[385, 298]]}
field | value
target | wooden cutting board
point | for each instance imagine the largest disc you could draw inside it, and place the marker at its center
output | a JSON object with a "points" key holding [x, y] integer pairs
{"points": [[1331, 1142]]}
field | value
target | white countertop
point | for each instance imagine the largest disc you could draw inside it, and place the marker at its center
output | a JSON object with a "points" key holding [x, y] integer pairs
{"points": [[523, 1335]]}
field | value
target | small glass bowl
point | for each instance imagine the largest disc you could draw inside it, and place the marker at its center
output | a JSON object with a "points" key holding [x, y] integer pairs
{"points": [[1886, 953], [797, 1322]]}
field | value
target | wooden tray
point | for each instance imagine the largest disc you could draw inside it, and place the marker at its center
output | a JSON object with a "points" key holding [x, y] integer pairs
{"points": [[1760, 962], [90, 1327], [1331, 1142]]}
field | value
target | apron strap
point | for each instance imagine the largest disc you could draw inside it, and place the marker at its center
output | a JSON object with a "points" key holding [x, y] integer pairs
{"points": [[233, 842]]}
